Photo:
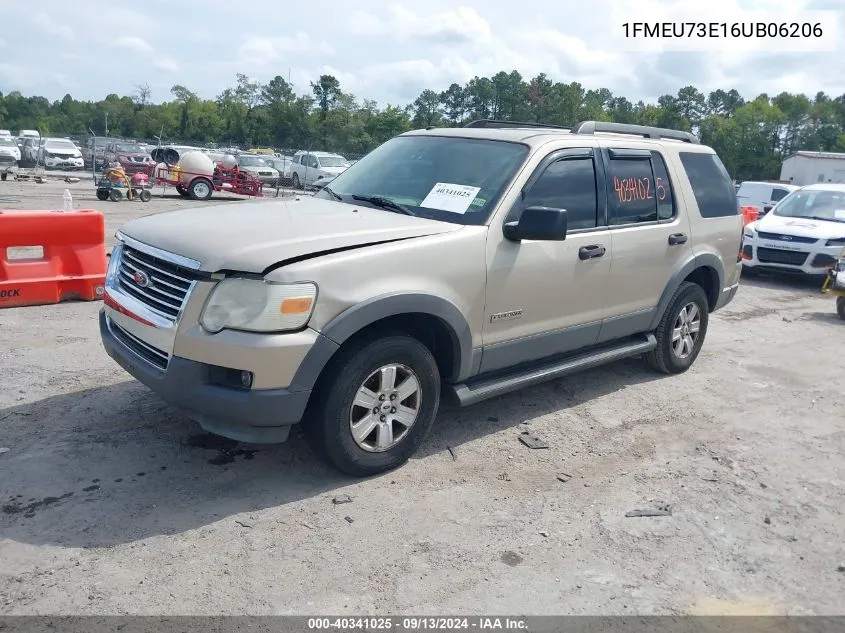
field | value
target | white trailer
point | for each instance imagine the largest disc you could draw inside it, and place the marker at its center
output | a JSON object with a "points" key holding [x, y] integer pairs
{"points": [[808, 168]]}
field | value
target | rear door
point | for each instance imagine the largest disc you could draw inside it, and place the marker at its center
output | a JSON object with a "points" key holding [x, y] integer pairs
{"points": [[651, 240]]}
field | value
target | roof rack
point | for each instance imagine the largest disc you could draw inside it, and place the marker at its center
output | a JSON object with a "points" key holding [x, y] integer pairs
{"points": [[591, 127], [496, 123]]}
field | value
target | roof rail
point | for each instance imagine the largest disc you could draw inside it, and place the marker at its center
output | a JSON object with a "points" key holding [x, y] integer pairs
{"points": [[647, 131], [496, 123]]}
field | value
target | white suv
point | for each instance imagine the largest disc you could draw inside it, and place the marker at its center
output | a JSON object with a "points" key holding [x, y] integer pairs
{"points": [[308, 167], [802, 234]]}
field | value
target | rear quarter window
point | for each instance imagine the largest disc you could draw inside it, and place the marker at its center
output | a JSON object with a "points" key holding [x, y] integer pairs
{"points": [[711, 184]]}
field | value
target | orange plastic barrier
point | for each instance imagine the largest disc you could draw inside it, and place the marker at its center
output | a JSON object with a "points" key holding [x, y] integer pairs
{"points": [[749, 214], [73, 265]]}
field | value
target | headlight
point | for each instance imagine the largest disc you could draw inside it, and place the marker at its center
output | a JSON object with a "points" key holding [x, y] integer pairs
{"points": [[836, 242], [749, 232], [258, 306]]}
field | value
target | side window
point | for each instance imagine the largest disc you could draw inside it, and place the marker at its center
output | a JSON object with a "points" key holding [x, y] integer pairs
{"points": [[312, 162], [778, 194], [296, 160], [634, 198], [662, 188], [711, 184], [569, 183]]}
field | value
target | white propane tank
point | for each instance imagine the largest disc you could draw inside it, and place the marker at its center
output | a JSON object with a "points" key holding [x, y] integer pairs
{"points": [[193, 164], [229, 161]]}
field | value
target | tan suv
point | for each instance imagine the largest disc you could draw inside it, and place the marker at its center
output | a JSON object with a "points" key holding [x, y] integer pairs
{"points": [[469, 262]]}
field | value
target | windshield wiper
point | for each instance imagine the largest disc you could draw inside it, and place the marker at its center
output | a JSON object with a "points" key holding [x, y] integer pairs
{"points": [[827, 219], [385, 203], [328, 190]]}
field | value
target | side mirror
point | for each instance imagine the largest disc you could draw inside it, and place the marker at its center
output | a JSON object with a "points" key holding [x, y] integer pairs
{"points": [[537, 223]]}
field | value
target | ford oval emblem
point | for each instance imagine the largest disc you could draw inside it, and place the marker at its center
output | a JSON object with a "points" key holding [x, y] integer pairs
{"points": [[141, 278]]}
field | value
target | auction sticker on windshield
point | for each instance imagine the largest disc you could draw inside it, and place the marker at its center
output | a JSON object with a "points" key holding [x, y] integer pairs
{"points": [[446, 196]]}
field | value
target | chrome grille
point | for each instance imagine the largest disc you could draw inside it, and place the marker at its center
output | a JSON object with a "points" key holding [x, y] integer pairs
{"points": [[169, 284], [140, 348]]}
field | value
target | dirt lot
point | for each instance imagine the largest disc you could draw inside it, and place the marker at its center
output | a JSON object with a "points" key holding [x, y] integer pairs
{"points": [[111, 502]]}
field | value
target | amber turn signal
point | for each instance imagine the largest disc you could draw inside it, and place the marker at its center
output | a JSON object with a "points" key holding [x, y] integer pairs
{"points": [[296, 305]]}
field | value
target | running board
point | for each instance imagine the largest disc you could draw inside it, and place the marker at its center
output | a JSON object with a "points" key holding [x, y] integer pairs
{"points": [[483, 388]]}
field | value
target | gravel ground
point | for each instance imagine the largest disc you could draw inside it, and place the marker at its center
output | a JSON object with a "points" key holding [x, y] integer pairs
{"points": [[112, 502]]}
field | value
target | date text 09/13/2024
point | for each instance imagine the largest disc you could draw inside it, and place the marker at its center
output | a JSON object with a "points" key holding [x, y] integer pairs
{"points": [[747, 30]]}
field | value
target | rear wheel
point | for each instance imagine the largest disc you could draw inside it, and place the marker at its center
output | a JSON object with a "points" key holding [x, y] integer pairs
{"points": [[180, 189], [3, 176], [145, 195], [374, 405], [840, 307], [102, 194], [681, 331], [115, 195], [200, 189]]}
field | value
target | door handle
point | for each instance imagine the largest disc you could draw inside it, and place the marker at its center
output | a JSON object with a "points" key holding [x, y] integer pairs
{"points": [[677, 238], [591, 252]]}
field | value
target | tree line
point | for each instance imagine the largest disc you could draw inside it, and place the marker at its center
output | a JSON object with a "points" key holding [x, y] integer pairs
{"points": [[752, 136]]}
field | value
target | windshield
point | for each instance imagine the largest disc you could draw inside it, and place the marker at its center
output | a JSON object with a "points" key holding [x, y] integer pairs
{"points": [[60, 145], [813, 204], [332, 161], [130, 148], [251, 161], [438, 177], [7, 142]]}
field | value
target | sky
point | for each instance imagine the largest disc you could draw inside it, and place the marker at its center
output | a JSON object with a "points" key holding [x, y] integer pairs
{"points": [[390, 51]]}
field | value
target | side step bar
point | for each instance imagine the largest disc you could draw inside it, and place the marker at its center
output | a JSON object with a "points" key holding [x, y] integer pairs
{"points": [[483, 388]]}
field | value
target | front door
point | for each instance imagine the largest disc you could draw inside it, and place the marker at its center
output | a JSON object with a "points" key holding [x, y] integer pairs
{"points": [[651, 241], [549, 297]]}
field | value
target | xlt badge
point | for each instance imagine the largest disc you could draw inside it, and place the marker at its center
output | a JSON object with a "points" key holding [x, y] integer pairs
{"points": [[505, 316]]}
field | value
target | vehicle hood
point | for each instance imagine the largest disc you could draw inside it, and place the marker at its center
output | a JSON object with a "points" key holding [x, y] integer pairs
{"points": [[253, 169], [253, 236], [801, 227], [63, 151], [333, 171], [133, 154]]}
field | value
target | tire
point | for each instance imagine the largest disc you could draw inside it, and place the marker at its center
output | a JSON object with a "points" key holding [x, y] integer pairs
{"points": [[102, 194], [200, 189], [145, 195], [666, 358], [181, 190], [840, 307], [328, 424], [3, 176], [115, 195], [295, 181]]}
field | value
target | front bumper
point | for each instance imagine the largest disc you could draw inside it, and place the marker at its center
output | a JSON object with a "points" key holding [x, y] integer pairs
{"points": [[72, 163], [778, 256], [137, 168], [258, 416]]}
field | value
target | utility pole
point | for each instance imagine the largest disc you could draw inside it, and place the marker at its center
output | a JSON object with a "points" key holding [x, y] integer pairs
{"points": [[107, 124]]}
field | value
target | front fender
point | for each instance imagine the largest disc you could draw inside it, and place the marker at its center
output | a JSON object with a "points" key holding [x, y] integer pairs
{"points": [[354, 319]]}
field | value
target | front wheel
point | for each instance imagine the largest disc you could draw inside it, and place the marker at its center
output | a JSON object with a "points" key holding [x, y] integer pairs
{"points": [[375, 405], [681, 331], [115, 195], [200, 189], [102, 194], [840, 307]]}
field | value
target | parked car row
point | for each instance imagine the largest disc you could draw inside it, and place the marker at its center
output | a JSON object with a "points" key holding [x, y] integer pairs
{"points": [[303, 170]]}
